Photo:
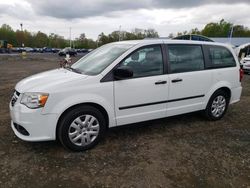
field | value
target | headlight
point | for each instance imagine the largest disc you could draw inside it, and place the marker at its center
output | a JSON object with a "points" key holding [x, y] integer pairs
{"points": [[34, 100]]}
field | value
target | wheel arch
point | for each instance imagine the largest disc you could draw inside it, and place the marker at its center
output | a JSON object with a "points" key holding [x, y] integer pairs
{"points": [[223, 88], [98, 106], [226, 90]]}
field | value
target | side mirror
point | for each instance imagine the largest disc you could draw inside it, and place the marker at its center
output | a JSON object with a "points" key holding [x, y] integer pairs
{"points": [[123, 72]]}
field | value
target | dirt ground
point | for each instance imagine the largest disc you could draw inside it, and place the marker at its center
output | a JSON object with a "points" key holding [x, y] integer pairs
{"points": [[181, 151]]}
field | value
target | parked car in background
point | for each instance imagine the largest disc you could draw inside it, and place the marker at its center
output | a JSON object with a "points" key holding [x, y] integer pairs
{"points": [[28, 49], [46, 50], [16, 49], [55, 50], [68, 50], [83, 50], [122, 83], [245, 64], [36, 49]]}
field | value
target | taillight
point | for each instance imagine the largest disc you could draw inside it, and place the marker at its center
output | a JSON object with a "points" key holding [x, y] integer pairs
{"points": [[241, 74]]}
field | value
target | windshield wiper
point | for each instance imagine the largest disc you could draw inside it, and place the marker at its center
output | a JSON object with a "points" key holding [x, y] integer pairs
{"points": [[74, 70]]}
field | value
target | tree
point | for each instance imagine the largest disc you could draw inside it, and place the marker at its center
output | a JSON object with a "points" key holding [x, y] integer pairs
{"points": [[42, 39], [82, 37], [56, 41], [19, 38], [151, 33], [7, 33], [241, 31], [102, 39], [195, 31], [220, 29]]}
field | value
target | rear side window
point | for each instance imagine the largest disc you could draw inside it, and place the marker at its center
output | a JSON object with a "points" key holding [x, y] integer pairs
{"points": [[185, 58], [221, 57]]}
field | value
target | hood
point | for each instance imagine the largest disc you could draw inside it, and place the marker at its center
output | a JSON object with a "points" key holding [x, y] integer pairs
{"points": [[43, 82]]}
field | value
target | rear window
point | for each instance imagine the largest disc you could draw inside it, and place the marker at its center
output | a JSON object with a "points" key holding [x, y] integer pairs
{"points": [[221, 57]]}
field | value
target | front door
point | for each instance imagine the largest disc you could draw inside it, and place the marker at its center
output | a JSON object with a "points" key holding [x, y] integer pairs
{"points": [[142, 97]]}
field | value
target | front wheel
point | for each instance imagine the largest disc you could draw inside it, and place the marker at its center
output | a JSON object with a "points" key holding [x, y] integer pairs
{"points": [[81, 128], [217, 105]]}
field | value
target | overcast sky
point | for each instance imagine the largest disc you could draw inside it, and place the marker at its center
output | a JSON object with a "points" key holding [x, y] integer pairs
{"points": [[95, 16]]}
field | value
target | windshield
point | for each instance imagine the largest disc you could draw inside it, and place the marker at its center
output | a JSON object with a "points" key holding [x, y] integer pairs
{"points": [[96, 61]]}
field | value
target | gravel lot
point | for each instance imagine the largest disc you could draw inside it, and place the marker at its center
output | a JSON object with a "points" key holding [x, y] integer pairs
{"points": [[181, 151]]}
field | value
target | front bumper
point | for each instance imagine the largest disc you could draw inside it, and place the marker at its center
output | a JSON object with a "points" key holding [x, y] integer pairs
{"points": [[39, 126]]}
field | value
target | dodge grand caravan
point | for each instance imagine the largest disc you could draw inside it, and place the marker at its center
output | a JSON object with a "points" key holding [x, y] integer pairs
{"points": [[122, 83]]}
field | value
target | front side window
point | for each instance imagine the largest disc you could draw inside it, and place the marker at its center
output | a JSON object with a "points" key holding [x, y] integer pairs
{"points": [[220, 56], [146, 61], [96, 61], [185, 58]]}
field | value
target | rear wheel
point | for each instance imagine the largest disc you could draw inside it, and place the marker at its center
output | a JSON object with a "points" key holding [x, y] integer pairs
{"points": [[81, 128], [217, 105]]}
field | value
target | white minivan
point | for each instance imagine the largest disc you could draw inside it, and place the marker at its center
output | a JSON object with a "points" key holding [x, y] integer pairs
{"points": [[122, 83]]}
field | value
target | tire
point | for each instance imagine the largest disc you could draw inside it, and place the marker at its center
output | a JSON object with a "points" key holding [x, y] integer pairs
{"points": [[86, 125], [219, 101]]}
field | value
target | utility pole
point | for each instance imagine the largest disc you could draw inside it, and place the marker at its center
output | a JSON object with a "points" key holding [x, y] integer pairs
{"points": [[70, 37], [120, 32], [22, 44], [231, 34], [98, 39]]}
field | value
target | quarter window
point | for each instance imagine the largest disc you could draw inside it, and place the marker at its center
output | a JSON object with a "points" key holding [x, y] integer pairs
{"points": [[221, 56], [185, 58], [146, 61]]}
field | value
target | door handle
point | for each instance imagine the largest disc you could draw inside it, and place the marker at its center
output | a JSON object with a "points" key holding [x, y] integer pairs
{"points": [[176, 80], [160, 82]]}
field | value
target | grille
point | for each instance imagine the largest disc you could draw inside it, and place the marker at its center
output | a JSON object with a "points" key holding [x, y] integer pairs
{"points": [[14, 98]]}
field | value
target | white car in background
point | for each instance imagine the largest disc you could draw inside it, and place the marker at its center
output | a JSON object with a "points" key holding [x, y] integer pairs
{"points": [[245, 64], [122, 83]]}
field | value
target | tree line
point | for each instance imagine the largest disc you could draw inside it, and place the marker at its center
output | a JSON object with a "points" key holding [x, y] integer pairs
{"points": [[40, 39], [218, 29]]}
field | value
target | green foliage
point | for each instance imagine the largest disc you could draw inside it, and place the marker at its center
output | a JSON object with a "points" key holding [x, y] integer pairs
{"points": [[56, 41], [83, 42], [222, 29], [7, 33], [40, 39], [136, 34]]}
